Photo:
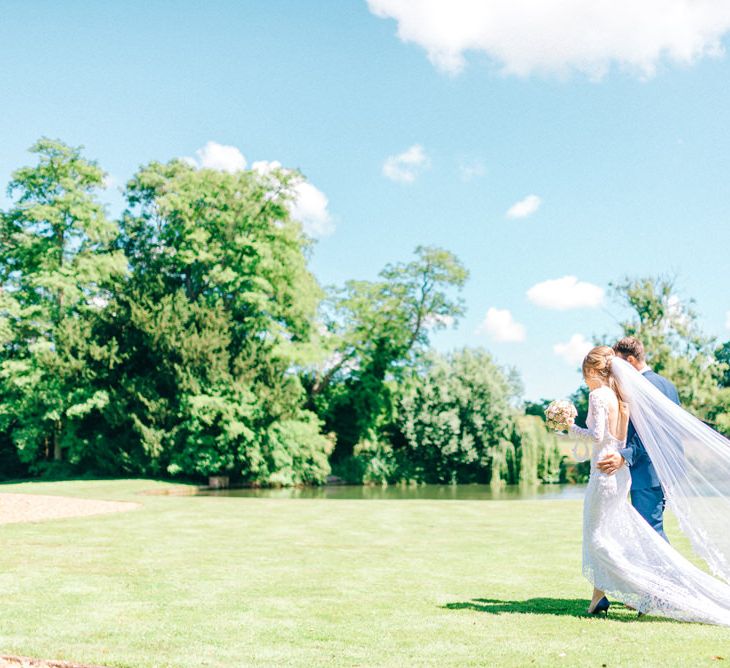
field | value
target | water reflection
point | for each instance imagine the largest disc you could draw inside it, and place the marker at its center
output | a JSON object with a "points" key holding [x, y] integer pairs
{"points": [[421, 492]]}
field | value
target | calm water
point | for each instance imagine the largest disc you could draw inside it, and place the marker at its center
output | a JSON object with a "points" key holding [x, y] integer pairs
{"points": [[427, 492]]}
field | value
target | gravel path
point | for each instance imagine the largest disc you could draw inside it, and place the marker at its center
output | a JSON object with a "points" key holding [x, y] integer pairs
{"points": [[36, 507]]}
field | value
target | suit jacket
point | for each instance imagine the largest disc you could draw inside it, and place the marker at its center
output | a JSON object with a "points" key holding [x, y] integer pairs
{"points": [[643, 474]]}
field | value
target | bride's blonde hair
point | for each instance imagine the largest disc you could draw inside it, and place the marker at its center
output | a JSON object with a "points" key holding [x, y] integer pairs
{"points": [[598, 361]]}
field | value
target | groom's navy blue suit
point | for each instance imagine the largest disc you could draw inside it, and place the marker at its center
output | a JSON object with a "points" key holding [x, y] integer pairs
{"points": [[646, 490]]}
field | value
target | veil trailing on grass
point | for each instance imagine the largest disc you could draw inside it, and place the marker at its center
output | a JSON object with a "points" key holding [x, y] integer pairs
{"points": [[692, 462]]}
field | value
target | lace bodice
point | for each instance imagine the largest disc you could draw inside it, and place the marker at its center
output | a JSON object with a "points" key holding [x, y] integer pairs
{"points": [[596, 437]]}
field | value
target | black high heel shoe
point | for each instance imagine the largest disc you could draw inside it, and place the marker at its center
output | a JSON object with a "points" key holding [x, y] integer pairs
{"points": [[601, 607]]}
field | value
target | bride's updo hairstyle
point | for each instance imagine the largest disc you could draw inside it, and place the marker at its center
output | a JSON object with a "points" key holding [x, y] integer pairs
{"points": [[598, 362]]}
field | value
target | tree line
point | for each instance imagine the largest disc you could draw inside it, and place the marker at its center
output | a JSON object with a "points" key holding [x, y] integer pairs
{"points": [[187, 337]]}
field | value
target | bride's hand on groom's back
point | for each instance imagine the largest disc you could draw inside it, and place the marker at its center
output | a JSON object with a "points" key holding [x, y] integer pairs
{"points": [[610, 463]]}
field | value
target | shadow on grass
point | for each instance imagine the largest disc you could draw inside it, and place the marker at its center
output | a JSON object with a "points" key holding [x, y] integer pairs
{"points": [[565, 607]]}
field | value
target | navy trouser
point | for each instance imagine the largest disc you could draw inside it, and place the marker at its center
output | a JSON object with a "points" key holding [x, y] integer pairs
{"points": [[649, 502]]}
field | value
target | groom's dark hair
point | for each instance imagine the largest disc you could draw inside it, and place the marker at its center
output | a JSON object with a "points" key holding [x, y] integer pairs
{"points": [[630, 345]]}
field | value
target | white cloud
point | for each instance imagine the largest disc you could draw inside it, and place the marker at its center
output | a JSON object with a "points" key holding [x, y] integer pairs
{"points": [[472, 170], [677, 314], [525, 207], [574, 350], [501, 326], [562, 294], [559, 36], [310, 208], [218, 156], [265, 166], [438, 320], [308, 205], [406, 166]]}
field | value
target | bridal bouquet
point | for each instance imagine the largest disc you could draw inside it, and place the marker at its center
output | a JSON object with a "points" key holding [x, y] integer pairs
{"points": [[559, 414]]}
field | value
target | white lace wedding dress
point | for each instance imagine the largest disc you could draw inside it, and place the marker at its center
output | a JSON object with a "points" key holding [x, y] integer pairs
{"points": [[622, 554]]}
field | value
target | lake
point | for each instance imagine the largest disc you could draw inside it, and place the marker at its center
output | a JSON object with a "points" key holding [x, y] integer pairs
{"points": [[403, 492]]}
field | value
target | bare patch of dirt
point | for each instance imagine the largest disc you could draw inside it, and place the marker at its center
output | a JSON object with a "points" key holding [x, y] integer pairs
{"points": [[36, 508], [27, 662]]}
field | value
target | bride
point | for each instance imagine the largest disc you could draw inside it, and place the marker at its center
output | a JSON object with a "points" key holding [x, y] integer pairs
{"points": [[623, 556]]}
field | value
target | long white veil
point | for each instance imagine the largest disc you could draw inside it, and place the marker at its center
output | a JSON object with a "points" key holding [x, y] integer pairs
{"points": [[692, 462]]}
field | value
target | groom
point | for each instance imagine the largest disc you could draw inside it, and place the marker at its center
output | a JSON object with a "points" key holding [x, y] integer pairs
{"points": [[646, 491]]}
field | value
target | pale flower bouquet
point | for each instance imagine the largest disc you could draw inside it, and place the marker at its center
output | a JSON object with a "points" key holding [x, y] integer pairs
{"points": [[559, 415]]}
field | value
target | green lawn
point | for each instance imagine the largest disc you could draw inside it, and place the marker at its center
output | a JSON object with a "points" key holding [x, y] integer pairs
{"points": [[194, 581]]}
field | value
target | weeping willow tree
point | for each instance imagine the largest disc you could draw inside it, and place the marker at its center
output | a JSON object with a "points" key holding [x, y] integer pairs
{"points": [[540, 457]]}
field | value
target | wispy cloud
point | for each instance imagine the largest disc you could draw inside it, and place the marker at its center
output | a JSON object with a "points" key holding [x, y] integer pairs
{"points": [[405, 167], [471, 170], [525, 207]]}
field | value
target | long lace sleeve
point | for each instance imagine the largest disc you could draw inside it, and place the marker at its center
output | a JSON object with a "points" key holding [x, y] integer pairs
{"points": [[595, 429]]}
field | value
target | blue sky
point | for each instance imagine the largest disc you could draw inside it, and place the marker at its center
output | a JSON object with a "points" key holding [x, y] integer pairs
{"points": [[628, 154]]}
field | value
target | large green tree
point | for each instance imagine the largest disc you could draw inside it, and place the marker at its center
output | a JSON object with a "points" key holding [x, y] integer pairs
{"points": [[215, 320], [375, 332], [58, 268]]}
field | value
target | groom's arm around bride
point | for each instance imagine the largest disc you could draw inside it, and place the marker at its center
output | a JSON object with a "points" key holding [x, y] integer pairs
{"points": [[646, 492]]}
